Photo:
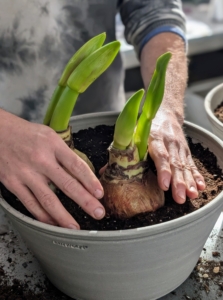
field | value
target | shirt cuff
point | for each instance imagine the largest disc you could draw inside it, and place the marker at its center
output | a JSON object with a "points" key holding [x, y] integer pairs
{"points": [[173, 29]]}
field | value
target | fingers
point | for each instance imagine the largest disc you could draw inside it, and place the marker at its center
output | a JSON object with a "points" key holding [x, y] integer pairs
{"points": [[160, 157], [76, 191], [199, 179], [43, 203], [174, 164], [50, 203], [79, 170], [179, 175], [44, 157], [30, 202], [101, 171]]}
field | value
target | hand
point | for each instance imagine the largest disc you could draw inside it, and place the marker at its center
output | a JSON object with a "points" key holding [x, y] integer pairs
{"points": [[32, 156], [171, 154]]}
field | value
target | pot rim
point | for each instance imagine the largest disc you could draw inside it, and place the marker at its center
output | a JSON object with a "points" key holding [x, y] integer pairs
{"points": [[207, 104], [175, 224], [215, 204]]}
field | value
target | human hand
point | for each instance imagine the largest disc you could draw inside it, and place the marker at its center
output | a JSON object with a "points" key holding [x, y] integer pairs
{"points": [[170, 152], [31, 157]]}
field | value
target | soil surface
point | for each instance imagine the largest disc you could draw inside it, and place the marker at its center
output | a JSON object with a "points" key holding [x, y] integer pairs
{"points": [[94, 143], [218, 112]]}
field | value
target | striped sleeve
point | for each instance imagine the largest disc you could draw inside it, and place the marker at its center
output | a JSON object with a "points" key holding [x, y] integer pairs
{"points": [[143, 19]]}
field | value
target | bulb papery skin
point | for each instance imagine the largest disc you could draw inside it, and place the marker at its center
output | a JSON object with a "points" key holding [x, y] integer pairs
{"points": [[123, 158], [66, 136], [130, 186]]}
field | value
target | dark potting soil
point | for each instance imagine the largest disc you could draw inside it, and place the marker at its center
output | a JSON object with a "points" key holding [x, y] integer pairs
{"points": [[94, 143], [207, 272], [218, 112], [19, 290]]}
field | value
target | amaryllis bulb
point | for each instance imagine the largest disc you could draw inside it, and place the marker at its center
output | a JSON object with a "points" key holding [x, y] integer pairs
{"points": [[130, 186]]}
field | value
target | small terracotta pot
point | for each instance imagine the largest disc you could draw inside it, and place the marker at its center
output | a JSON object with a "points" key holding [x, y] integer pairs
{"points": [[144, 263]]}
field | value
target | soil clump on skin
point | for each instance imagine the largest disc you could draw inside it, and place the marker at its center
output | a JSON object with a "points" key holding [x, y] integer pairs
{"points": [[218, 112], [94, 143]]}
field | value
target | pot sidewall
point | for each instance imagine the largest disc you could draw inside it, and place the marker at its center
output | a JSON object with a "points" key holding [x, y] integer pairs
{"points": [[212, 100], [129, 269]]}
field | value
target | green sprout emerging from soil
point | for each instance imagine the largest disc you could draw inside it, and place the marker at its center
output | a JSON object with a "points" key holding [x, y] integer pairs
{"points": [[86, 65], [130, 186]]}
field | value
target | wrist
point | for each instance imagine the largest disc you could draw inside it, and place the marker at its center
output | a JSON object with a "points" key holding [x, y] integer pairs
{"points": [[165, 113]]}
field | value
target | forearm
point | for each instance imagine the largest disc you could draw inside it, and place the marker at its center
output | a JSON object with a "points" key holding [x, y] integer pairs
{"points": [[167, 144], [176, 77]]}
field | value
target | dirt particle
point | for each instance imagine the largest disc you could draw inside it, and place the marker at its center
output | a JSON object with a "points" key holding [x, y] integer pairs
{"points": [[216, 270], [216, 254]]}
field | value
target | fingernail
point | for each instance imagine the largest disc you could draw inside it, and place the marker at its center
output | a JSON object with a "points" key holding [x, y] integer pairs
{"points": [[99, 194], [200, 182], [166, 183], [72, 226], [193, 189], [99, 213], [182, 196], [201, 185]]}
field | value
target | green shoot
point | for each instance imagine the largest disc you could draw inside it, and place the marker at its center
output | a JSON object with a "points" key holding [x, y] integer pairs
{"points": [[126, 130], [53, 102], [63, 111], [88, 48], [126, 122], [92, 67], [80, 79], [152, 103], [155, 92]]}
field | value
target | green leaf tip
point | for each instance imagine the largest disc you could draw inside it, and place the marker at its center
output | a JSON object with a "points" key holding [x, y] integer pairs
{"points": [[88, 48], [86, 65], [155, 91], [93, 66], [126, 121], [163, 61]]}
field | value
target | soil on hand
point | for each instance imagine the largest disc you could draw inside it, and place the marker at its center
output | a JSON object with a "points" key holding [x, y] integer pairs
{"points": [[94, 143], [218, 112]]}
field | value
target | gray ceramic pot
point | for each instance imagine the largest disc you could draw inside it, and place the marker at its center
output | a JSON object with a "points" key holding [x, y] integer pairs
{"points": [[212, 100], [143, 263]]}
